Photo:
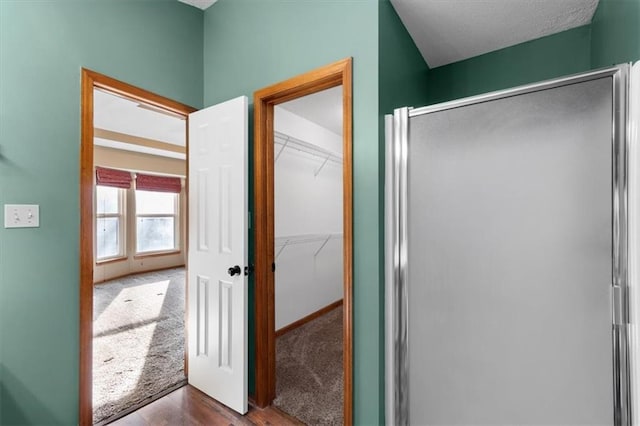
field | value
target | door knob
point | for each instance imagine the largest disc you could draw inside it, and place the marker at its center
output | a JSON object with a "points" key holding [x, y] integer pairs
{"points": [[234, 270]]}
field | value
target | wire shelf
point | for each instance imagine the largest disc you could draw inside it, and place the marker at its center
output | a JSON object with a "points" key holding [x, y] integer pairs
{"points": [[285, 141], [282, 242]]}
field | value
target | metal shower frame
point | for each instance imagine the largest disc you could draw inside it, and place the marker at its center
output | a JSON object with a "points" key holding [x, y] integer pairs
{"points": [[396, 232]]}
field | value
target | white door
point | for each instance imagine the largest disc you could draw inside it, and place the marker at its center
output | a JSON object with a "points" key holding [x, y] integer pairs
{"points": [[217, 285]]}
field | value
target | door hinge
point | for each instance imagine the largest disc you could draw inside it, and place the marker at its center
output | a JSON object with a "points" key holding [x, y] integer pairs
{"points": [[273, 267], [248, 270], [620, 307]]}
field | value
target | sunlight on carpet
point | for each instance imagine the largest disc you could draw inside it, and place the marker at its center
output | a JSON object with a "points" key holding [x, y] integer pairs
{"points": [[148, 310], [133, 329], [138, 345]]}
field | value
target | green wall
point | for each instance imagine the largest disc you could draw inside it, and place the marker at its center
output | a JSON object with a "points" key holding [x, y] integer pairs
{"points": [[43, 45], [615, 33], [402, 71], [249, 45]]}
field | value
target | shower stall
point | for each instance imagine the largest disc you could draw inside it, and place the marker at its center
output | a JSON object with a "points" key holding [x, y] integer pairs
{"points": [[512, 256]]}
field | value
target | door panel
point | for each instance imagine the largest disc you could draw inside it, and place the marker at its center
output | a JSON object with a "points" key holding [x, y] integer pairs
{"points": [[509, 260], [217, 300]]}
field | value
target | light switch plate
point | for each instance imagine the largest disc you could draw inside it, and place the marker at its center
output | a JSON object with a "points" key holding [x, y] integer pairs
{"points": [[21, 215]]}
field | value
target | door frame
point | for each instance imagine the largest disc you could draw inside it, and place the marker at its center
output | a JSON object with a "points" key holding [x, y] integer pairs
{"points": [[90, 81], [326, 77]]}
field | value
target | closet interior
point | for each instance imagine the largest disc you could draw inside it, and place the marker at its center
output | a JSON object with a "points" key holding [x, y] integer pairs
{"points": [[308, 185]]}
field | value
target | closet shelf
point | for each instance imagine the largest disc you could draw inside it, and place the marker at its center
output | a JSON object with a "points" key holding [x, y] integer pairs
{"points": [[285, 141], [282, 242]]}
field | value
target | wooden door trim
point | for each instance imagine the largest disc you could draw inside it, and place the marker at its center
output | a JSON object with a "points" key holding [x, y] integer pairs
{"points": [[336, 74], [90, 81]]}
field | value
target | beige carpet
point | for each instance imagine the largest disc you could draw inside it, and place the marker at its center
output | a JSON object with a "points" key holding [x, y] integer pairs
{"points": [[138, 340], [309, 380]]}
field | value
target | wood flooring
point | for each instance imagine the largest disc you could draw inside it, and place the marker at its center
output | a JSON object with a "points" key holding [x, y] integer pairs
{"points": [[188, 406]]}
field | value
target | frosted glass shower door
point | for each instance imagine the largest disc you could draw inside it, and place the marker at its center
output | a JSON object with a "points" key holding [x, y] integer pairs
{"points": [[509, 254]]}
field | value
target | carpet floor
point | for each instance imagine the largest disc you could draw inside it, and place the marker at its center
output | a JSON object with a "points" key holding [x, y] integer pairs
{"points": [[138, 340], [309, 378]]}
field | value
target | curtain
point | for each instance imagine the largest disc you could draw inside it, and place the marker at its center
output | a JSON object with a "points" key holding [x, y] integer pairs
{"points": [[113, 177], [158, 183]]}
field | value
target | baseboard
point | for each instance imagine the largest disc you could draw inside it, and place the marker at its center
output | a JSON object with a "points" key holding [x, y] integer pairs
{"points": [[117, 277], [290, 419], [310, 317]]}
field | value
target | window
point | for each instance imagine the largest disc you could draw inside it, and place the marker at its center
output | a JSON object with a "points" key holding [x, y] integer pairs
{"points": [[109, 222], [156, 221]]}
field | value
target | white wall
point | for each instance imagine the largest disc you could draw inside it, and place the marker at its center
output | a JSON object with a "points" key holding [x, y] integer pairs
{"points": [[127, 160], [307, 204]]}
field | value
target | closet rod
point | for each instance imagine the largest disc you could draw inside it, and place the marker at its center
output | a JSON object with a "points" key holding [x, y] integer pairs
{"points": [[283, 242], [290, 142]]}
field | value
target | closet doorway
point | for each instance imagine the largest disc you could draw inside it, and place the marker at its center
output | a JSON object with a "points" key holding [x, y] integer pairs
{"points": [[303, 245]]}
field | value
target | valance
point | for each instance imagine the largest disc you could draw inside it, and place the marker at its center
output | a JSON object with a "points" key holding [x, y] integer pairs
{"points": [[158, 183], [113, 177]]}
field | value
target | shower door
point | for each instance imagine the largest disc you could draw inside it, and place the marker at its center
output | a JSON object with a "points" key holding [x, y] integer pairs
{"points": [[506, 257]]}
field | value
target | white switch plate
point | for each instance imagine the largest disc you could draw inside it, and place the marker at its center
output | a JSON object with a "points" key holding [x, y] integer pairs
{"points": [[21, 215]]}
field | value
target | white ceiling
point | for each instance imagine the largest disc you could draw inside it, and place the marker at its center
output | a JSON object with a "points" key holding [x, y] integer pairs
{"points": [[447, 31], [121, 115], [323, 108], [200, 4]]}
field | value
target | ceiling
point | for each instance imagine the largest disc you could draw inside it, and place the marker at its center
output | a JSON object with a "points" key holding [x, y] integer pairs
{"points": [[447, 31], [323, 108], [121, 123]]}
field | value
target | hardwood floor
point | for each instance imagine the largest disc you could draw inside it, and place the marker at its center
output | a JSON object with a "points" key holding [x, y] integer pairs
{"points": [[188, 406]]}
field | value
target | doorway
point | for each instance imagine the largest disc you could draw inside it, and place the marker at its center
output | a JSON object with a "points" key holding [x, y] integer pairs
{"points": [[150, 250], [139, 258], [309, 256], [337, 75]]}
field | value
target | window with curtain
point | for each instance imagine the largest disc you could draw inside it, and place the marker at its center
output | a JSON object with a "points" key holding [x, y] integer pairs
{"points": [[111, 186], [157, 207], [109, 222]]}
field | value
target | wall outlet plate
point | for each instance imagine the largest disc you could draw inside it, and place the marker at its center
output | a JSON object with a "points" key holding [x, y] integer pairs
{"points": [[21, 216]]}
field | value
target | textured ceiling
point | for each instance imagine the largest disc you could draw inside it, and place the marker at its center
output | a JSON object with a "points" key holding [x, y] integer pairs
{"points": [[200, 4], [447, 31]]}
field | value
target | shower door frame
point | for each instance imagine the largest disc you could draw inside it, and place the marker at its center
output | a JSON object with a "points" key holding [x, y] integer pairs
{"points": [[396, 233]]}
